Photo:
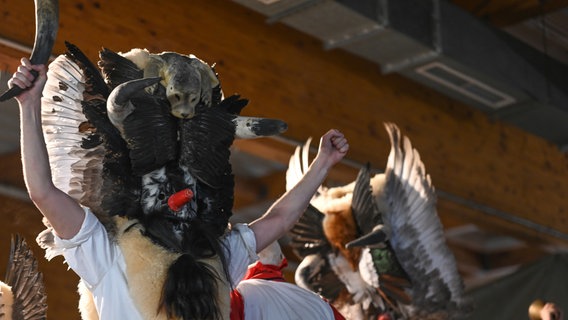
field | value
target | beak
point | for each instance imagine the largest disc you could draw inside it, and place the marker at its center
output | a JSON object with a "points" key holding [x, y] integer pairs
{"points": [[374, 237], [251, 127]]}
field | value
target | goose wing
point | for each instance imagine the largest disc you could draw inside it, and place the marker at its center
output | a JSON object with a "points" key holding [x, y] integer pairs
{"points": [[416, 233], [88, 157], [74, 147], [365, 212], [26, 282]]}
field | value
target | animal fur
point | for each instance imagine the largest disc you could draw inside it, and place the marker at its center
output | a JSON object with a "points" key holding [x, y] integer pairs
{"points": [[6, 300], [87, 307], [147, 269]]}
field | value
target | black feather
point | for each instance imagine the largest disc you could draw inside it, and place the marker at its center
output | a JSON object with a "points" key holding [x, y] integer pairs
{"points": [[307, 234], [151, 134], [121, 194], [117, 69], [97, 86], [321, 279], [365, 211], [233, 104], [206, 140]]}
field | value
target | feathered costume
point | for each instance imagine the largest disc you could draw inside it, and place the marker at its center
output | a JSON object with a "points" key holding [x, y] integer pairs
{"points": [[22, 295], [376, 246], [145, 144]]}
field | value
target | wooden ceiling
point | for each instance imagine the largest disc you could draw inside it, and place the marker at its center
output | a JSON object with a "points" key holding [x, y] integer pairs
{"points": [[502, 181]]}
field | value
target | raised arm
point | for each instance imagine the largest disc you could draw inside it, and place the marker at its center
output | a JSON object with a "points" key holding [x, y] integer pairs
{"points": [[286, 211], [63, 212]]}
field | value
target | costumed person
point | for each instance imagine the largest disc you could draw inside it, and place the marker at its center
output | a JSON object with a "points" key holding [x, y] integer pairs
{"points": [[263, 293], [83, 240]]}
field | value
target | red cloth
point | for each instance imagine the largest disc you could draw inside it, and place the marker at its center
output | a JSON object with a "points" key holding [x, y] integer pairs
{"points": [[256, 271], [237, 306], [264, 272]]}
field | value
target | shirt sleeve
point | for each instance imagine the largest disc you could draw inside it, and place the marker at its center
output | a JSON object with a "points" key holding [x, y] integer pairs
{"points": [[241, 245], [89, 253]]}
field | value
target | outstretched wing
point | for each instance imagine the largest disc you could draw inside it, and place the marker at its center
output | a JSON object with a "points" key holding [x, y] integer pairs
{"points": [[416, 233], [298, 164], [308, 239], [23, 276], [308, 242], [88, 157], [66, 130], [297, 167], [308, 236]]}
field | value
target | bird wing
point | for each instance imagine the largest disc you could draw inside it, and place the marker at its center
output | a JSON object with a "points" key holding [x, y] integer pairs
{"points": [[308, 241], [88, 157], [72, 143], [365, 211], [23, 276], [316, 274], [298, 165], [117, 69], [307, 234], [416, 233]]}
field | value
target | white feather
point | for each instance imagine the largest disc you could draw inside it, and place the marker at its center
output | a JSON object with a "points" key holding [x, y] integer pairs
{"points": [[62, 117]]}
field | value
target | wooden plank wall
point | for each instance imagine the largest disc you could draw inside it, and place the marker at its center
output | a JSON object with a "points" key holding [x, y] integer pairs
{"points": [[288, 75]]}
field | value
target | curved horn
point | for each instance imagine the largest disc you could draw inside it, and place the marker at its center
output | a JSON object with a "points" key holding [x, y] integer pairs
{"points": [[47, 23], [251, 127], [118, 107]]}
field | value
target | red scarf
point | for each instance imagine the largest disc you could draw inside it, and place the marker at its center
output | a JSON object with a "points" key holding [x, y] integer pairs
{"points": [[265, 272]]}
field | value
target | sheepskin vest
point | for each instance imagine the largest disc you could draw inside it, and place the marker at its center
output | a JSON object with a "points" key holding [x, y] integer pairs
{"points": [[146, 270]]}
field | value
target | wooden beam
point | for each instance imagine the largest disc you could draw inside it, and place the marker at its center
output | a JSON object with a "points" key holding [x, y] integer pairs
{"points": [[11, 168], [9, 57], [288, 75]]}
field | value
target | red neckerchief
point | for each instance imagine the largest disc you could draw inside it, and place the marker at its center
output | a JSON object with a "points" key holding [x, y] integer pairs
{"points": [[256, 271], [266, 271]]}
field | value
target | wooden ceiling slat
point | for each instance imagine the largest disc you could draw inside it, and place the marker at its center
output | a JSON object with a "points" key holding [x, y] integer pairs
{"points": [[289, 76]]}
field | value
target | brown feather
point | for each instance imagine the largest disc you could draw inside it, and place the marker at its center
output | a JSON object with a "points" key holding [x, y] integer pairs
{"points": [[339, 228], [22, 274]]}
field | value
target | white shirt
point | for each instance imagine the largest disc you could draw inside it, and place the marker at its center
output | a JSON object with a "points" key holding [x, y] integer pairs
{"points": [[101, 265], [265, 299]]}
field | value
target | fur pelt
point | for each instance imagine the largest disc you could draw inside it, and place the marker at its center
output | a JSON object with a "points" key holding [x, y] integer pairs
{"points": [[147, 269], [6, 300], [86, 303]]}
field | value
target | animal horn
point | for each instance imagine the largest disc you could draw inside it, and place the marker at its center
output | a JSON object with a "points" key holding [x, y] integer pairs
{"points": [[47, 24], [252, 127], [117, 107], [374, 237], [122, 93]]}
